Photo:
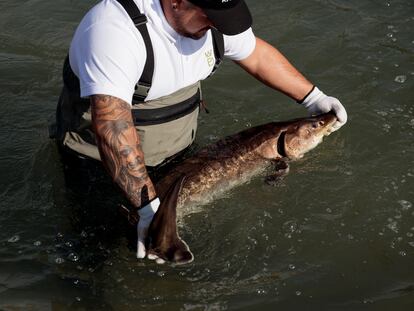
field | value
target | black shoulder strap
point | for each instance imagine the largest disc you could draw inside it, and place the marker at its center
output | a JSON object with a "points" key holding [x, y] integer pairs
{"points": [[140, 20], [218, 43]]}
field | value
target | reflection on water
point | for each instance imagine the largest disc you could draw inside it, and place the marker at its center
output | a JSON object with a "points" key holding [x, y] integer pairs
{"points": [[336, 234]]}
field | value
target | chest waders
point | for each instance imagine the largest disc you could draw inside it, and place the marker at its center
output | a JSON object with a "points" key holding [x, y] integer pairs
{"points": [[166, 125]]}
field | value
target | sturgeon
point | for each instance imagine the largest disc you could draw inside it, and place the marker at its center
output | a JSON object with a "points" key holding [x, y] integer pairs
{"points": [[221, 166]]}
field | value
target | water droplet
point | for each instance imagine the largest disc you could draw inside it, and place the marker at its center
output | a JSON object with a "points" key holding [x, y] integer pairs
{"points": [[37, 243], [78, 299], [59, 235], [73, 257], [290, 226], [261, 292], [393, 226], [69, 244], [292, 267], [400, 79], [406, 205], [411, 243], [402, 253], [59, 260], [109, 263], [84, 234], [390, 35], [298, 293], [14, 239]]}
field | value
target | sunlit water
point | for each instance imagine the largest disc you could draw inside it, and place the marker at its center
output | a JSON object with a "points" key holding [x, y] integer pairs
{"points": [[336, 234]]}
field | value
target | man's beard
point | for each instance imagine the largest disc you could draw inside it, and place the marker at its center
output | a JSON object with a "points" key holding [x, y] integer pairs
{"points": [[182, 31]]}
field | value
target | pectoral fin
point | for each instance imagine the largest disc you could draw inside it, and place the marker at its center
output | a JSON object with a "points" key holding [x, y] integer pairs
{"points": [[280, 170], [165, 242]]}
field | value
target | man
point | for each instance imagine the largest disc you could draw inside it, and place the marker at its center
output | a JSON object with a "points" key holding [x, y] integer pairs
{"points": [[135, 65]]}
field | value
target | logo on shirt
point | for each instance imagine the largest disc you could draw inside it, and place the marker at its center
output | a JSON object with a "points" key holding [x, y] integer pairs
{"points": [[210, 58]]}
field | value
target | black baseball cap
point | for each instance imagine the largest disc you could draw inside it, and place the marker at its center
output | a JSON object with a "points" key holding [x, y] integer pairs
{"points": [[230, 17]]}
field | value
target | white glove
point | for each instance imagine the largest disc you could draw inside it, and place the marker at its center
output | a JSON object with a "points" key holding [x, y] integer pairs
{"points": [[317, 102], [145, 218]]}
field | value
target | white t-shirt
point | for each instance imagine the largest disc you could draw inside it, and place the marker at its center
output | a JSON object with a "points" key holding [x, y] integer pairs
{"points": [[108, 53]]}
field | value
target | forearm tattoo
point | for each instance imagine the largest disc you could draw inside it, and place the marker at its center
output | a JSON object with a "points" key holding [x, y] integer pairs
{"points": [[120, 149]]}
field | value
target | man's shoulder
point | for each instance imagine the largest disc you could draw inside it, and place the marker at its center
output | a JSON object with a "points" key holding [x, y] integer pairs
{"points": [[105, 12]]}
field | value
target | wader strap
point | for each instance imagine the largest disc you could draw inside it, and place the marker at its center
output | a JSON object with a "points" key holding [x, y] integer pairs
{"points": [[218, 43], [140, 20], [70, 80]]}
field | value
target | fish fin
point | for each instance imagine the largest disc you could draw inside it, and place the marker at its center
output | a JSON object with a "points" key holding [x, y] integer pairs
{"points": [[165, 242], [280, 170]]}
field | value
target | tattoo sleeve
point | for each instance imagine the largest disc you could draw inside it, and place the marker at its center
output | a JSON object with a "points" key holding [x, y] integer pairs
{"points": [[120, 149]]}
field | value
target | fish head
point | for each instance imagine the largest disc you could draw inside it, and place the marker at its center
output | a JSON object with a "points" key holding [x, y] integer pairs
{"points": [[303, 135]]}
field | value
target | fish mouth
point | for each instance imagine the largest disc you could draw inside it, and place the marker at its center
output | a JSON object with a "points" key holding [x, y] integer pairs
{"points": [[281, 148]]}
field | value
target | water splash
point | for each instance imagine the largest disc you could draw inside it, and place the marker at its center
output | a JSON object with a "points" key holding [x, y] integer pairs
{"points": [[73, 257], [400, 79], [406, 205], [14, 239]]}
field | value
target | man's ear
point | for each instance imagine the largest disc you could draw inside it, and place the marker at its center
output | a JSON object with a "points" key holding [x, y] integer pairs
{"points": [[177, 4]]}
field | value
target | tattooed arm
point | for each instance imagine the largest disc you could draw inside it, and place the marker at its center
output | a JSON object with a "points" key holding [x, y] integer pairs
{"points": [[119, 147]]}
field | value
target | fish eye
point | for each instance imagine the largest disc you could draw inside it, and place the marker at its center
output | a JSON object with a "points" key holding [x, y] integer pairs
{"points": [[314, 125]]}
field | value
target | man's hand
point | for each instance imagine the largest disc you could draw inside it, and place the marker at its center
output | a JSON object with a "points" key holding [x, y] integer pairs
{"points": [[146, 214], [317, 102]]}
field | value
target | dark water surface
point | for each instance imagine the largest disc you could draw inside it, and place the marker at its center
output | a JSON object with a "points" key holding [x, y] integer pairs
{"points": [[336, 234]]}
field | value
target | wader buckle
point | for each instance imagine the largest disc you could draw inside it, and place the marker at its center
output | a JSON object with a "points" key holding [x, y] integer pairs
{"points": [[142, 89], [140, 20]]}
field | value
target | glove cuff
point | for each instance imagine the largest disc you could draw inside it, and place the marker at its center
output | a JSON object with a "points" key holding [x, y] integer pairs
{"points": [[150, 209], [306, 96], [313, 96]]}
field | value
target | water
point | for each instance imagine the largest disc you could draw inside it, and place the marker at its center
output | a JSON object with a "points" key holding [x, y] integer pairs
{"points": [[336, 234]]}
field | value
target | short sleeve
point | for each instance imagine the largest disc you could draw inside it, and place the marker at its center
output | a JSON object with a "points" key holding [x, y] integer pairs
{"points": [[108, 58], [240, 46]]}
